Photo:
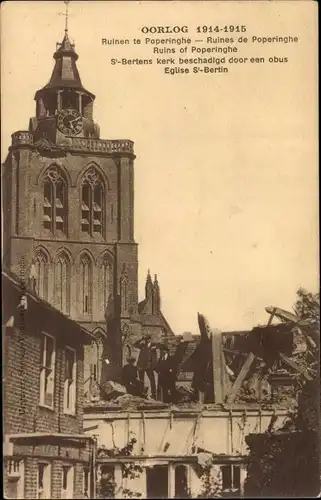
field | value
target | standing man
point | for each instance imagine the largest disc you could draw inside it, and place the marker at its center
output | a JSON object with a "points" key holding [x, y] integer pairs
{"points": [[146, 363], [166, 375], [168, 368], [130, 378]]}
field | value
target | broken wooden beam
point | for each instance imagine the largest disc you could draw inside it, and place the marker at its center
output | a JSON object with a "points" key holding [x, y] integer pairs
{"points": [[282, 314], [308, 326], [271, 311], [288, 316], [218, 367], [240, 378], [219, 373], [296, 366]]}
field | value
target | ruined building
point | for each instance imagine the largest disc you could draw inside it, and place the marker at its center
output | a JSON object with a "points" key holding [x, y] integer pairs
{"points": [[247, 385]]}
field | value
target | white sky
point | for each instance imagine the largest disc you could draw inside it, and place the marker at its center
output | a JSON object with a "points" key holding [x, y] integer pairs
{"points": [[226, 169]]}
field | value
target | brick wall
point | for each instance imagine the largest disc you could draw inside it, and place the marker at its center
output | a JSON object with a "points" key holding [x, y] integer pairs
{"points": [[31, 468], [22, 412], [22, 386], [31, 478]]}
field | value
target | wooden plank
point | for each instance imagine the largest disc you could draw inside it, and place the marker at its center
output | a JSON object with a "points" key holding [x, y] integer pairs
{"points": [[218, 374], [308, 327], [240, 378], [288, 316], [282, 314], [226, 382], [272, 314], [295, 366]]}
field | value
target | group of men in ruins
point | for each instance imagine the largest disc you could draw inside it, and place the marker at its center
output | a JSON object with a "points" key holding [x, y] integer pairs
{"points": [[165, 364]]}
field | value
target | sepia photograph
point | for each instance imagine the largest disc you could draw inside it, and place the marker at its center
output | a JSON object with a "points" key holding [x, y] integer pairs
{"points": [[160, 249]]}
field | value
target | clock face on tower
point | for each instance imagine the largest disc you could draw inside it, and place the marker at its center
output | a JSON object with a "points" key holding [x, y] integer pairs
{"points": [[70, 122]]}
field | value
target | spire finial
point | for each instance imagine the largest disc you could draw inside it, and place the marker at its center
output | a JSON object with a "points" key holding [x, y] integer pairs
{"points": [[66, 2], [65, 45]]}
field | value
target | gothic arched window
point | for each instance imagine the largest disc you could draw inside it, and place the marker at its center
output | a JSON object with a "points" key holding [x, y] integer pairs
{"points": [[41, 274], [55, 201], [85, 285], [106, 277], [62, 283], [92, 203]]}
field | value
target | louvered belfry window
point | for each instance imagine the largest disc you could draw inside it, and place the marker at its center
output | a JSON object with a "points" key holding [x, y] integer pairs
{"points": [[55, 201], [92, 196]]}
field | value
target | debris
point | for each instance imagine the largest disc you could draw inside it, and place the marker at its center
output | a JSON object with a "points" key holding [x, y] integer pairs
{"points": [[94, 392], [127, 401], [112, 389], [167, 445], [185, 394], [187, 337], [204, 459]]}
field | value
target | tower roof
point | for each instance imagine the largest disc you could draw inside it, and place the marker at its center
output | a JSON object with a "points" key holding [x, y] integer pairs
{"points": [[149, 283], [65, 73]]}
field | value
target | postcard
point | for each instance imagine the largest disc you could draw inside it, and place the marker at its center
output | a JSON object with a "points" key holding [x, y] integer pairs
{"points": [[160, 271]]}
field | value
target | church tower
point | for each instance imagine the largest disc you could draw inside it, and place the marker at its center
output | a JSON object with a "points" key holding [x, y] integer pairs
{"points": [[69, 213]]}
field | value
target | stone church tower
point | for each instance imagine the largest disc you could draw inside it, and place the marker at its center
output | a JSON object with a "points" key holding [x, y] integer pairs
{"points": [[68, 219]]}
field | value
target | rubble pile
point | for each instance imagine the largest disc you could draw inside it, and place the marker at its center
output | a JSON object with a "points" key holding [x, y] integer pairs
{"points": [[262, 366], [185, 394], [111, 390], [129, 402], [124, 401]]}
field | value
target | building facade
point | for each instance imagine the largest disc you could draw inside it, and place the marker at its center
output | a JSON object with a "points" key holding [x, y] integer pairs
{"points": [[69, 212], [177, 453], [46, 454]]}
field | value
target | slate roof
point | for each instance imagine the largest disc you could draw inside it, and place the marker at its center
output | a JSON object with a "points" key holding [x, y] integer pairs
{"points": [[154, 319], [65, 73], [13, 282]]}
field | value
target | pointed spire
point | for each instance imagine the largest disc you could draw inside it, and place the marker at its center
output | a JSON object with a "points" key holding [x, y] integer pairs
{"points": [[149, 284], [156, 296], [149, 293]]}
